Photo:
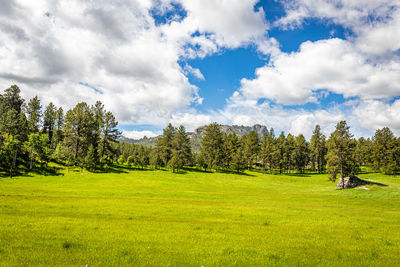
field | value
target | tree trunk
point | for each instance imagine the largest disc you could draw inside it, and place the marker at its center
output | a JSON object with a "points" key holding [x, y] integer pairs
{"points": [[341, 173]]}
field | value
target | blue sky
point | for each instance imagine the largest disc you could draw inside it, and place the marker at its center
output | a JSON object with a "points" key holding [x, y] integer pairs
{"points": [[286, 64]]}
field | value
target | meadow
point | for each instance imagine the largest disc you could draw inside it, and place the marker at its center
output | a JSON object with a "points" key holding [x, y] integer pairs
{"points": [[158, 218]]}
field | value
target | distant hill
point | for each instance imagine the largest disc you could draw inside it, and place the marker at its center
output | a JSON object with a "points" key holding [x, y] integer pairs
{"points": [[197, 135]]}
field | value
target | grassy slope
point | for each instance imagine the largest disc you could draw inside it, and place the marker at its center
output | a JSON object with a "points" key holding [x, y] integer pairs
{"points": [[160, 218]]}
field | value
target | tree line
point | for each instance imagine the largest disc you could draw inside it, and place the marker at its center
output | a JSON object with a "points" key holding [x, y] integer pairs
{"points": [[87, 136], [83, 136]]}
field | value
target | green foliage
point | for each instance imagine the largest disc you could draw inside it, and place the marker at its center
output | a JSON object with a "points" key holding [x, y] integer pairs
{"points": [[301, 153], [121, 160], [238, 162], [38, 148], [318, 149], [33, 112], [164, 144], [251, 148], [212, 147], [269, 150], [341, 152]]}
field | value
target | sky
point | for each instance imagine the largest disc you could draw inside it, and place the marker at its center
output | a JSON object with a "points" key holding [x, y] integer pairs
{"points": [[285, 64]]}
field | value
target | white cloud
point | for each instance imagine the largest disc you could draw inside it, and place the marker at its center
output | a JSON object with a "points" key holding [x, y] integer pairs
{"points": [[138, 134], [333, 64], [191, 120], [49, 48], [350, 13], [373, 115]]}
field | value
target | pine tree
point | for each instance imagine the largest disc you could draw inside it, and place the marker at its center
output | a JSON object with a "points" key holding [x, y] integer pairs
{"points": [[268, 150], [212, 146], [79, 129], [289, 156], [49, 120], [318, 149], [341, 156], [108, 134], [231, 145], [238, 162], [383, 145], [181, 150], [58, 133], [164, 144], [251, 147], [34, 114], [279, 156], [301, 153]]}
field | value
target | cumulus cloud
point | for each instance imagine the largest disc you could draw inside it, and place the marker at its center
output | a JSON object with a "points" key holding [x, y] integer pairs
{"points": [[374, 114], [333, 64], [350, 13], [138, 134], [114, 51]]}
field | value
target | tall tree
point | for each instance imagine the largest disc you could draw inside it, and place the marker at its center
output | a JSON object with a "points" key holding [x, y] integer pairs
{"points": [[58, 132], [181, 150], [164, 144], [34, 114], [383, 145], [13, 124], [280, 151], [108, 134], [212, 146], [251, 147], [231, 145], [289, 156], [301, 155], [49, 120], [37, 146], [268, 149], [341, 156], [318, 149], [79, 130]]}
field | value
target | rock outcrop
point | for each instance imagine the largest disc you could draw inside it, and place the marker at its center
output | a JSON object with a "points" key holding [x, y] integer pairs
{"points": [[350, 182]]}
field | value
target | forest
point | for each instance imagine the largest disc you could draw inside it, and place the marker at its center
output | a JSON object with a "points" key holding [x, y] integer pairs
{"points": [[87, 136]]}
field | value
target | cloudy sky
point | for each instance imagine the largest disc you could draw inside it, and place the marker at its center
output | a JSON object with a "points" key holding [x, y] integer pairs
{"points": [[285, 64]]}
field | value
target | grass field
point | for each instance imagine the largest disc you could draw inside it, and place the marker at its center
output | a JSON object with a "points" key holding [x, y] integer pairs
{"points": [[148, 218]]}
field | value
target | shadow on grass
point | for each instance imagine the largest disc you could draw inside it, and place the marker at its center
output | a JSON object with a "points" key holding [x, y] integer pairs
{"points": [[196, 170], [235, 172], [373, 183]]}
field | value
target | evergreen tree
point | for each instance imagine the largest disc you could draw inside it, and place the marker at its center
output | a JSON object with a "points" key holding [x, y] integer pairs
{"points": [[90, 158], [49, 120], [181, 149], [280, 151], [364, 151], [108, 134], [231, 145], [37, 146], [289, 156], [164, 144], [34, 114], [58, 133], [13, 126], [383, 145], [251, 147], [341, 156], [79, 130], [318, 149], [238, 162], [212, 146], [301, 153], [268, 150]]}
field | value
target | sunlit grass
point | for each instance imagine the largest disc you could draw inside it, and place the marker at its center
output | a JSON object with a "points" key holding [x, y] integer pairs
{"points": [[194, 219]]}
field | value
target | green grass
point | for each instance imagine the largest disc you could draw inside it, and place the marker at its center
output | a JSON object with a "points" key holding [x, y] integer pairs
{"points": [[138, 218]]}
